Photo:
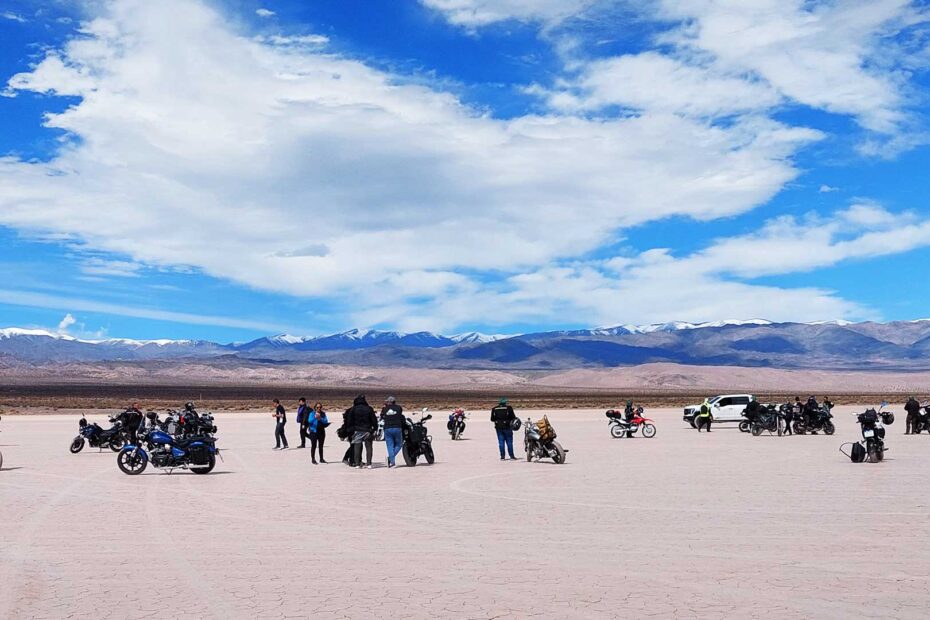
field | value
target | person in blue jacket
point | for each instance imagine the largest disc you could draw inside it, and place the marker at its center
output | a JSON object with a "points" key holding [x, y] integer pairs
{"points": [[316, 430]]}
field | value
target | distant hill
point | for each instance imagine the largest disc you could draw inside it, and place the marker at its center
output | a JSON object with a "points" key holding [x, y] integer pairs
{"points": [[838, 345]]}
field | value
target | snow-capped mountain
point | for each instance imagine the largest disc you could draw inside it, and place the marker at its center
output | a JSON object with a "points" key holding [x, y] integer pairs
{"points": [[743, 342]]}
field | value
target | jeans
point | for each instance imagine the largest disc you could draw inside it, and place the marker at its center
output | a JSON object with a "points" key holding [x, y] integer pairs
{"points": [[394, 440], [505, 436], [279, 437]]}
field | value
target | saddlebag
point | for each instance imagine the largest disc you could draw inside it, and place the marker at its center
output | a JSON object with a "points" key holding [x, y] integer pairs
{"points": [[199, 454], [546, 432]]}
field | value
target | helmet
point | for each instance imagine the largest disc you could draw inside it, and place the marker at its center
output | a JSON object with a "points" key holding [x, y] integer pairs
{"points": [[629, 402], [151, 415], [390, 400], [515, 424], [502, 401], [189, 406]]}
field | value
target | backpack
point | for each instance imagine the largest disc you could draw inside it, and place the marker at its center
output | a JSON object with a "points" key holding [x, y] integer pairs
{"points": [[857, 454]]}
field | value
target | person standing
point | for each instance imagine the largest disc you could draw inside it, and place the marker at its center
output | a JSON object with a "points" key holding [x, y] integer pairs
{"points": [[789, 418], [913, 410], [280, 417], [393, 416], [628, 414], [316, 430], [361, 424], [705, 417], [303, 419], [503, 417]]}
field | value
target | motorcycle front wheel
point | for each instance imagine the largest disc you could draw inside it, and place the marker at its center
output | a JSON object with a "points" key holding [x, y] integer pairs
{"points": [[529, 451], [77, 445], [428, 454], [559, 456], [616, 432], [411, 461], [828, 428], [756, 430], [649, 431], [205, 469], [132, 464]]}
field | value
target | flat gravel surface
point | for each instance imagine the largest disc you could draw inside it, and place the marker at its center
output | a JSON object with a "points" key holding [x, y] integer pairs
{"points": [[682, 525]]}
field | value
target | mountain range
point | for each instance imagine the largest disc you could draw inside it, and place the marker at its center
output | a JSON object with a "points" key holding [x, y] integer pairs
{"points": [[841, 345]]}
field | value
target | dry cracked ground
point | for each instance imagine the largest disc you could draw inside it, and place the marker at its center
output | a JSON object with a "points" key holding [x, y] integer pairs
{"points": [[683, 525]]}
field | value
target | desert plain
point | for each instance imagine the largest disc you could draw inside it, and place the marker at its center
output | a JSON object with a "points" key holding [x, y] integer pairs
{"points": [[684, 525]]}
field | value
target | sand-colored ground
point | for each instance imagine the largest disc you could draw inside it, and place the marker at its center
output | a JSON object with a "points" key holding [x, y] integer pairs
{"points": [[683, 525]]}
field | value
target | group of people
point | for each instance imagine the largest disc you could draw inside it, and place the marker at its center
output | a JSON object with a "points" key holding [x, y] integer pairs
{"points": [[312, 421]]}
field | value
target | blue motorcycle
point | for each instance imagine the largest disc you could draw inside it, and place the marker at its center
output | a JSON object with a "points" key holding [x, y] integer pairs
{"points": [[197, 454]]}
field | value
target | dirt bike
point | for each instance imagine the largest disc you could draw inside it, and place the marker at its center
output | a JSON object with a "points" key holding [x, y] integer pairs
{"points": [[621, 427], [539, 441]]}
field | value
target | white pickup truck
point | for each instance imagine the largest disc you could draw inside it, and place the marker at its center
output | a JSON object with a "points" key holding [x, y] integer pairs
{"points": [[726, 408]]}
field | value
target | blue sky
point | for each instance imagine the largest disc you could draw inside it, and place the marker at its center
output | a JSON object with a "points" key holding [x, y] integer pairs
{"points": [[223, 170]]}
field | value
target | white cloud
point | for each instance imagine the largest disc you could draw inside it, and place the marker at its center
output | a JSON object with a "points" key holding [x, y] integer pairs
{"points": [[13, 17], [65, 323], [263, 12], [827, 189], [95, 266], [225, 160], [473, 13]]}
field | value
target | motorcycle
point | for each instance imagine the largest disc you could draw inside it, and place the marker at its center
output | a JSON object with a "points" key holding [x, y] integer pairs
{"points": [[98, 437], [417, 440], [379, 432], [819, 420], [621, 427], [922, 423], [768, 419], [456, 425], [539, 441], [873, 431], [197, 453]]}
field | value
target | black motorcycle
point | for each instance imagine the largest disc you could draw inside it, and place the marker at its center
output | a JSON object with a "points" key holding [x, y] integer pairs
{"points": [[873, 432], [98, 437], [922, 422], [767, 419], [417, 441], [815, 421]]}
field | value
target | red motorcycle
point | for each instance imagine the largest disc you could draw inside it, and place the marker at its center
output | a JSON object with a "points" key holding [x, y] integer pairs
{"points": [[621, 427]]}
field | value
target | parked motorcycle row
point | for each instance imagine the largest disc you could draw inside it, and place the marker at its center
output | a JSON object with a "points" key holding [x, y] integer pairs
{"points": [[776, 419], [181, 440]]}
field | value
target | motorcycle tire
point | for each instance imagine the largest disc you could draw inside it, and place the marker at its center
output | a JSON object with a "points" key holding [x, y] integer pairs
{"points": [[457, 434], [77, 445], [616, 432], [205, 469], [428, 455], [756, 430], [649, 431], [1, 460], [411, 461], [379, 436], [874, 453], [799, 428], [828, 428], [693, 421], [744, 426], [116, 444], [529, 451], [559, 457], [132, 466]]}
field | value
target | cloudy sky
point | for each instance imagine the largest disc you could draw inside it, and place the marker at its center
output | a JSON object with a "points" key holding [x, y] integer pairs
{"points": [[223, 169]]}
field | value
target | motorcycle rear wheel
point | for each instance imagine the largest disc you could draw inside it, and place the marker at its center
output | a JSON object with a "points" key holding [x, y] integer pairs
{"points": [[77, 445], [649, 431], [756, 430], [559, 457], [874, 453], [744, 426], [205, 469], [132, 465], [616, 432], [428, 455], [411, 461], [116, 444], [829, 428]]}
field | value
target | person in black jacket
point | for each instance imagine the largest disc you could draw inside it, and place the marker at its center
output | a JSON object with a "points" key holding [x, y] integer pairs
{"points": [[503, 417], [361, 424], [393, 416], [303, 419], [280, 417], [913, 410]]}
